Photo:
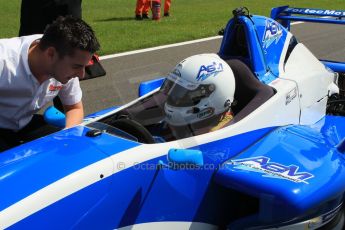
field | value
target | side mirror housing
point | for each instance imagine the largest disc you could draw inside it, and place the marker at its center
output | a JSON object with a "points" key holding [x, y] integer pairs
{"points": [[186, 157], [149, 86]]}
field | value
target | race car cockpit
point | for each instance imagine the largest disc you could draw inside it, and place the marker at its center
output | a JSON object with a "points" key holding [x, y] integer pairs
{"points": [[147, 118]]}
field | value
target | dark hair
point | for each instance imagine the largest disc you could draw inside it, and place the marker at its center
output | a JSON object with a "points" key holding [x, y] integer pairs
{"points": [[66, 34]]}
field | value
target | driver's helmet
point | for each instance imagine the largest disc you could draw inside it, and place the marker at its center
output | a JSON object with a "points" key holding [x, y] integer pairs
{"points": [[198, 88]]}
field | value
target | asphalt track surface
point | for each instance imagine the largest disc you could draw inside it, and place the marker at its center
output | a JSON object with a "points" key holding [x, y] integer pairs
{"points": [[124, 73]]}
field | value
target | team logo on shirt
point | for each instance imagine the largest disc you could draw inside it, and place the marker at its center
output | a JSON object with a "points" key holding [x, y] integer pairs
{"points": [[54, 87]]}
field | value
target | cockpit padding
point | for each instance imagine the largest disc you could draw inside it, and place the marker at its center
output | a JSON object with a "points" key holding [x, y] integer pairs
{"points": [[250, 93]]}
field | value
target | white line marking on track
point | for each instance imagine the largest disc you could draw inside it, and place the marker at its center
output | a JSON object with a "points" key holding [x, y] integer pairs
{"points": [[296, 23], [158, 47], [166, 46]]}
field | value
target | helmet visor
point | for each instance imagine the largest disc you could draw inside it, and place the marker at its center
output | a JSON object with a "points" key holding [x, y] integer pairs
{"points": [[180, 96]]}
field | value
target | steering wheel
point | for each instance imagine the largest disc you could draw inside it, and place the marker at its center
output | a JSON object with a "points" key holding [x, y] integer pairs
{"points": [[135, 129]]}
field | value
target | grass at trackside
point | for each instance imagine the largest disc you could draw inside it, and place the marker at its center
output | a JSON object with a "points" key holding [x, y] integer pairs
{"points": [[113, 20]]}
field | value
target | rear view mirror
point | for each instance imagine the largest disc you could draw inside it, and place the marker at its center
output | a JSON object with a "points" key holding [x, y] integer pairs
{"points": [[185, 157], [149, 86]]}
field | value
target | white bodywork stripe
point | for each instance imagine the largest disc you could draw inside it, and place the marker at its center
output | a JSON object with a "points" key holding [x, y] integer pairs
{"points": [[283, 54], [170, 226], [55, 192]]}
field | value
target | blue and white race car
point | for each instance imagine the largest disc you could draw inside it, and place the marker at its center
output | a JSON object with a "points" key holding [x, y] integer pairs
{"points": [[279, 164]]}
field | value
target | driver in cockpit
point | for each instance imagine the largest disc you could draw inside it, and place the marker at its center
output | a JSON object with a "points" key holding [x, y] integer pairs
{"points": [[200, 91]]}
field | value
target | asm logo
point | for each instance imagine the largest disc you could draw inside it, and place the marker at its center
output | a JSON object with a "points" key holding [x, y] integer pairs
{"points": [[263, 165], [55, 87], [207, 71], [273, 32]]}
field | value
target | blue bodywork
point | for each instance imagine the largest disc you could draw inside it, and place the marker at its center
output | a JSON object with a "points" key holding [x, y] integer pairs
{"points": [[266, 40], [286, 14], [296, 164], [134, 195], [264, 177]]}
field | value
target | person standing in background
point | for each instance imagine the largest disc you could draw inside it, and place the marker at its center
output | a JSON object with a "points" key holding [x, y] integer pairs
{"points": [[143, 6], [37, 14], [167, 4], [142, 9]]}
